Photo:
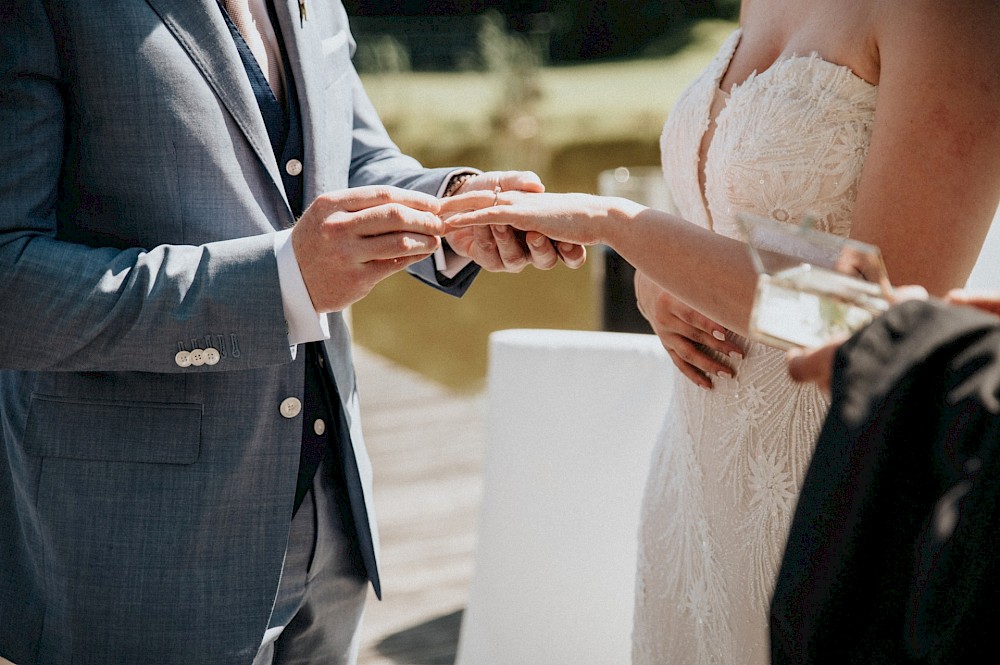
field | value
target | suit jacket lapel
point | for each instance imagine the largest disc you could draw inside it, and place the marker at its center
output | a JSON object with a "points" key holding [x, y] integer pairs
{"points": [[201, 29]]}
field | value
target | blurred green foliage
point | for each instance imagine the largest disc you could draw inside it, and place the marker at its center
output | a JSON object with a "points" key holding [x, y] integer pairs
{"points": [[568, 30]]}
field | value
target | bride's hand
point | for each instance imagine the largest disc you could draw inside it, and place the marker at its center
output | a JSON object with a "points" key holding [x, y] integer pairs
{"points": [[686, 334], [498, 248], [581, 219]]}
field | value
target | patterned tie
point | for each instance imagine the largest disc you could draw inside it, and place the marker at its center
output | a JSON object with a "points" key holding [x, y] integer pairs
{"points": [[249, 23]]}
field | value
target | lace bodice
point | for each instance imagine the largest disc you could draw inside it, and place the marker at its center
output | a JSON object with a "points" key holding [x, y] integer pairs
{"points": [[788, 142]]}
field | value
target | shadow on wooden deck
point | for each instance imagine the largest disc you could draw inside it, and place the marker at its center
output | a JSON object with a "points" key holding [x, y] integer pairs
{"points": [[433, 642]]}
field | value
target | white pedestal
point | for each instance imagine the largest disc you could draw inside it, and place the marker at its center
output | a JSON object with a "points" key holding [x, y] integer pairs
{"points": [[572, 420]]}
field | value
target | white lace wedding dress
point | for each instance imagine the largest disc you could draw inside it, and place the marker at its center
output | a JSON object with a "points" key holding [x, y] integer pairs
{"points": [[788, 142]]}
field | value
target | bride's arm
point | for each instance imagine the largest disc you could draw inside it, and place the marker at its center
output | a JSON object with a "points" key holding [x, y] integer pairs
{"points": [[931, 181], [706, 270]]}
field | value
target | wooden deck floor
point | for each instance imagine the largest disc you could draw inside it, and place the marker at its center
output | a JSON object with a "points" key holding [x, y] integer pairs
{"points": [[426, 445]]}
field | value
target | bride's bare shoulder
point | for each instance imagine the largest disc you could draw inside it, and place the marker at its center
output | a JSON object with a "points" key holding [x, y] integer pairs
{"points": [[954, 29]]}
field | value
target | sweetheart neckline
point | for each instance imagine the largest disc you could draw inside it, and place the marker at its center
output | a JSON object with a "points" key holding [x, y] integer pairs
{"points": [[779, 62]]}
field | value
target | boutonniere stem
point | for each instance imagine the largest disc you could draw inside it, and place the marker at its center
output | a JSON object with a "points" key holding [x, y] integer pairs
{"points": [[302, 13]]}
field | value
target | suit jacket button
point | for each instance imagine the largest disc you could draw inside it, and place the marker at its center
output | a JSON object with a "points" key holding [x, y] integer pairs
{"points": [[319, 427], [183, 359], [212, 357], [198, 357], [290, 407], [293, 167]]}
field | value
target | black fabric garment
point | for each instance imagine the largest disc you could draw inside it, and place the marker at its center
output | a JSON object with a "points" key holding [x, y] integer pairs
{"points": [[892, 555]]}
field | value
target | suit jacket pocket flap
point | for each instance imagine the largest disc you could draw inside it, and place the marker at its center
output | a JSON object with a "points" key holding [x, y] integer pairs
{"points": [[114, 431], [331, 44]]}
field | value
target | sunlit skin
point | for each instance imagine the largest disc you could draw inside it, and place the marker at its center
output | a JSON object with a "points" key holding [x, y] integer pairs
{"points": [[348, 241]]}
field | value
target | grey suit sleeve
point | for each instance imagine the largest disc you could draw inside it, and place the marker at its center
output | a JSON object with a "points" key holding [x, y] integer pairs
{"points": [[66, 304], [375, 158]]}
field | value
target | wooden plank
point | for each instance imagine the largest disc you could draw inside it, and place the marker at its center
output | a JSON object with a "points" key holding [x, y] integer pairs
{"points": [[426, 445]]}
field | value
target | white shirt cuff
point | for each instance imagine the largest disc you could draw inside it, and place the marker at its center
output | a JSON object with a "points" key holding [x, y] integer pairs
{"points": [[446, 261], [303, 322]]}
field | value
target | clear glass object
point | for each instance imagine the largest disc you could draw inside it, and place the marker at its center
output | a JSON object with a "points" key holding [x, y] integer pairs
{"points": [[811, 285]]}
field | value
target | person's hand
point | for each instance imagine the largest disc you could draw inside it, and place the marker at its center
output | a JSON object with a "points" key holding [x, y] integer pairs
{"points": [[581, 219], [347, 241], [986, 300], [686, 334], [499, 248], [815, 365]]}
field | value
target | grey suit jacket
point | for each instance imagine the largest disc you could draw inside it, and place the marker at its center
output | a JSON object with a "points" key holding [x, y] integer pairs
{"points": [[144, 506]]}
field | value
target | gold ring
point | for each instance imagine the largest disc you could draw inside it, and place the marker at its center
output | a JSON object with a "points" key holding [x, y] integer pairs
{"points": [[496, 194]]}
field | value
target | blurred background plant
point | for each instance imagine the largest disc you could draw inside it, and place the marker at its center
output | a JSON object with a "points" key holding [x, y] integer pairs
{"points": [[382, 54], [567, 89], [512, 60]]}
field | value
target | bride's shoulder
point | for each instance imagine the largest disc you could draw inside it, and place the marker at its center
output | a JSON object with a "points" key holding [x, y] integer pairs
{"points": [[947, 29], [939, 44]]}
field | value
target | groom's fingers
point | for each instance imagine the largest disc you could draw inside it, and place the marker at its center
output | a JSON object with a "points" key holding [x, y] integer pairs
{"points": [[572, 255], [459, 207], [524, 181], [543, 255], [513, 254]]}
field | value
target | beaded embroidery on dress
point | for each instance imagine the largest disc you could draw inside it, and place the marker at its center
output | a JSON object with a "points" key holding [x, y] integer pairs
{"points": [[788, 143]]}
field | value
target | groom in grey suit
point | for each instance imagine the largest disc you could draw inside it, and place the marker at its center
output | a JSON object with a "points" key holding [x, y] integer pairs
{"points": [[185, 208]]}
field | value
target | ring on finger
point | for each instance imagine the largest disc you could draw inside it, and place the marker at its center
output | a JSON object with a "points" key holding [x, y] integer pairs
{"points": [[496, 195]]}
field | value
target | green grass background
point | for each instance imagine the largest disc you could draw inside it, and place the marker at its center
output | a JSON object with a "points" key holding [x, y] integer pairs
{"points": [[583, 119]]}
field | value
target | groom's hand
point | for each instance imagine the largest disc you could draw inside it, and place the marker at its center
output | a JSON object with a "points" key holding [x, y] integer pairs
{"points": [[348, 241], [500, 248]]}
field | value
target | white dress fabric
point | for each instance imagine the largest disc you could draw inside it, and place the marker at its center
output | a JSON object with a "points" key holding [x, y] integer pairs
{"points": [[788, 143]]}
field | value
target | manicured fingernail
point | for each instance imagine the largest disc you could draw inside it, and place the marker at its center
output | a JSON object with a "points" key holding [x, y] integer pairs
{"points": [[719, 335], [538, 241], [704, 387], [736, 354], [724, 375]]}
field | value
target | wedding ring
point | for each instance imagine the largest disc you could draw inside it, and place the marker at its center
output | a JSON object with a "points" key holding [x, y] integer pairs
{"points": [[496, 195]]}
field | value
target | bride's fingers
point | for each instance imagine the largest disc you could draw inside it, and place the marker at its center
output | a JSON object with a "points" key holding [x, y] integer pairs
{"points": [[470, 202], [476, 217], [693, 374], [694, 353]]}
